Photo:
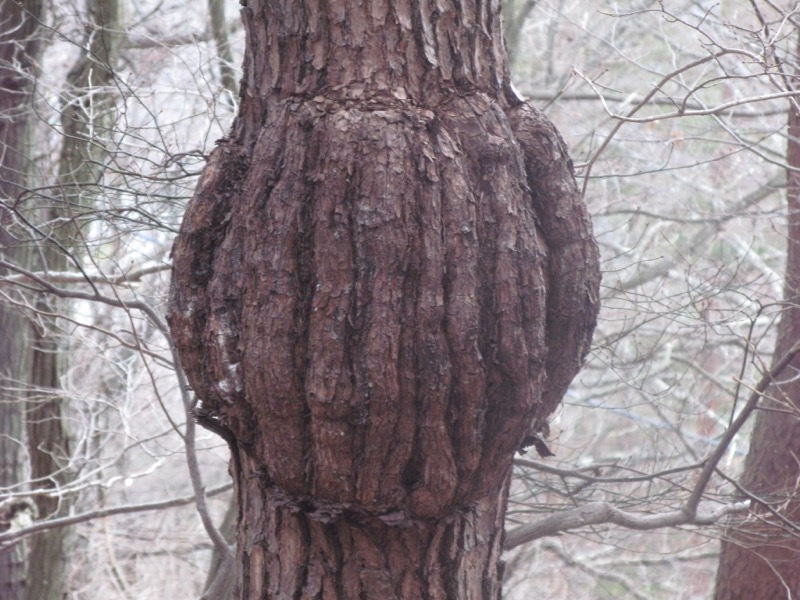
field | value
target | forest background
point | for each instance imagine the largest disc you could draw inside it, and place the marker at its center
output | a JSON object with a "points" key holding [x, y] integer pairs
{"points": [[676, 117]]}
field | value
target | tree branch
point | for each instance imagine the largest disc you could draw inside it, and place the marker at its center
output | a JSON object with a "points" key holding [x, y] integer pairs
{"points": [[67, 277], [8, 538], [600, 513]]}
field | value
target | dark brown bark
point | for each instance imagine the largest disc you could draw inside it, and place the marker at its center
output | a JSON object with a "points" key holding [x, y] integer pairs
{"points": [[385, 276], [760, 558]]}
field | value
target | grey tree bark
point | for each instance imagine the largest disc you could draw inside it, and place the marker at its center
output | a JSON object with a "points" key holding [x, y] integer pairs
{"points": [[86, 119], [385, 277], [20, 49]]}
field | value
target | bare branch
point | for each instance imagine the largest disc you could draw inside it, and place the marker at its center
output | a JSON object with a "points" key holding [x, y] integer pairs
{"points": [[604, 513], [68, 277], [9, 538], [692, 504]]}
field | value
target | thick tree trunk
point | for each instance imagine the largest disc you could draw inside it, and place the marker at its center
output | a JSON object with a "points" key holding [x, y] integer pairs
{"points": [[760, 558], [385, 277], [291, 552], [19, 53]]}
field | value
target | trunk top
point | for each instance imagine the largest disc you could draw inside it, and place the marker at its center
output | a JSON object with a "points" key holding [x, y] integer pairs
{"points": [[351, 49]]}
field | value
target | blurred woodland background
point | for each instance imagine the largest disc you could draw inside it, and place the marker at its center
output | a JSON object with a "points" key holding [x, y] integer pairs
{"points": [[676, 117]]}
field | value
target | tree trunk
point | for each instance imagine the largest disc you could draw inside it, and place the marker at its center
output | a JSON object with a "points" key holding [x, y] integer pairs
{"points": [[516, 13], [385, 277], [219, 31], [19, 53], [760, 558], [86, 120], [221, 579]]}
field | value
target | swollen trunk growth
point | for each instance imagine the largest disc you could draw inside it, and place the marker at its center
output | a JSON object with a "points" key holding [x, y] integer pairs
{"points": [[385, 277]]}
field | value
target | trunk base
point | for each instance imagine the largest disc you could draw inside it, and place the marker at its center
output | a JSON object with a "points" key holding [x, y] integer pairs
{"points": [[292, 551]]}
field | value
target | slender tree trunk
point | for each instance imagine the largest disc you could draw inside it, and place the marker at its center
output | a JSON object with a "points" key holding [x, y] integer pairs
{"points": [[760, 558], [219, 31], [221, 581], [385, 277], [516, 13], [86, 120], [19, 53]]}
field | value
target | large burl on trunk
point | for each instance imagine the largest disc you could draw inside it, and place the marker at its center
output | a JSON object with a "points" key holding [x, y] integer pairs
{"points": [[385, 276]]}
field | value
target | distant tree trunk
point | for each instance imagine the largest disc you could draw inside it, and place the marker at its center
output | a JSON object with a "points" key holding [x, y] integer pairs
{"points": [[19, 54], [760, 558], [385, 277], [516, 15], [86, 119], [219, 31], [221, 581]]}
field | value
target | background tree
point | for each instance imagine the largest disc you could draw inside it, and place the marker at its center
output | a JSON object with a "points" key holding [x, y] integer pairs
{"points": [[376, 291], [682, 332], [759, 556], [20, 52], [86, 126], [61, 223]]}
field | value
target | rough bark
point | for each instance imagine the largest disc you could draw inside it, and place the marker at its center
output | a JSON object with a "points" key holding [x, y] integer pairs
{"points": [[385, 276], [221, 579], [759, 558], [19, 52]]}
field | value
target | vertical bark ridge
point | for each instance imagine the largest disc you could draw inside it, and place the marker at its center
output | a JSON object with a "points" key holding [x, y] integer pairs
{"points": [[572, 290]]}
